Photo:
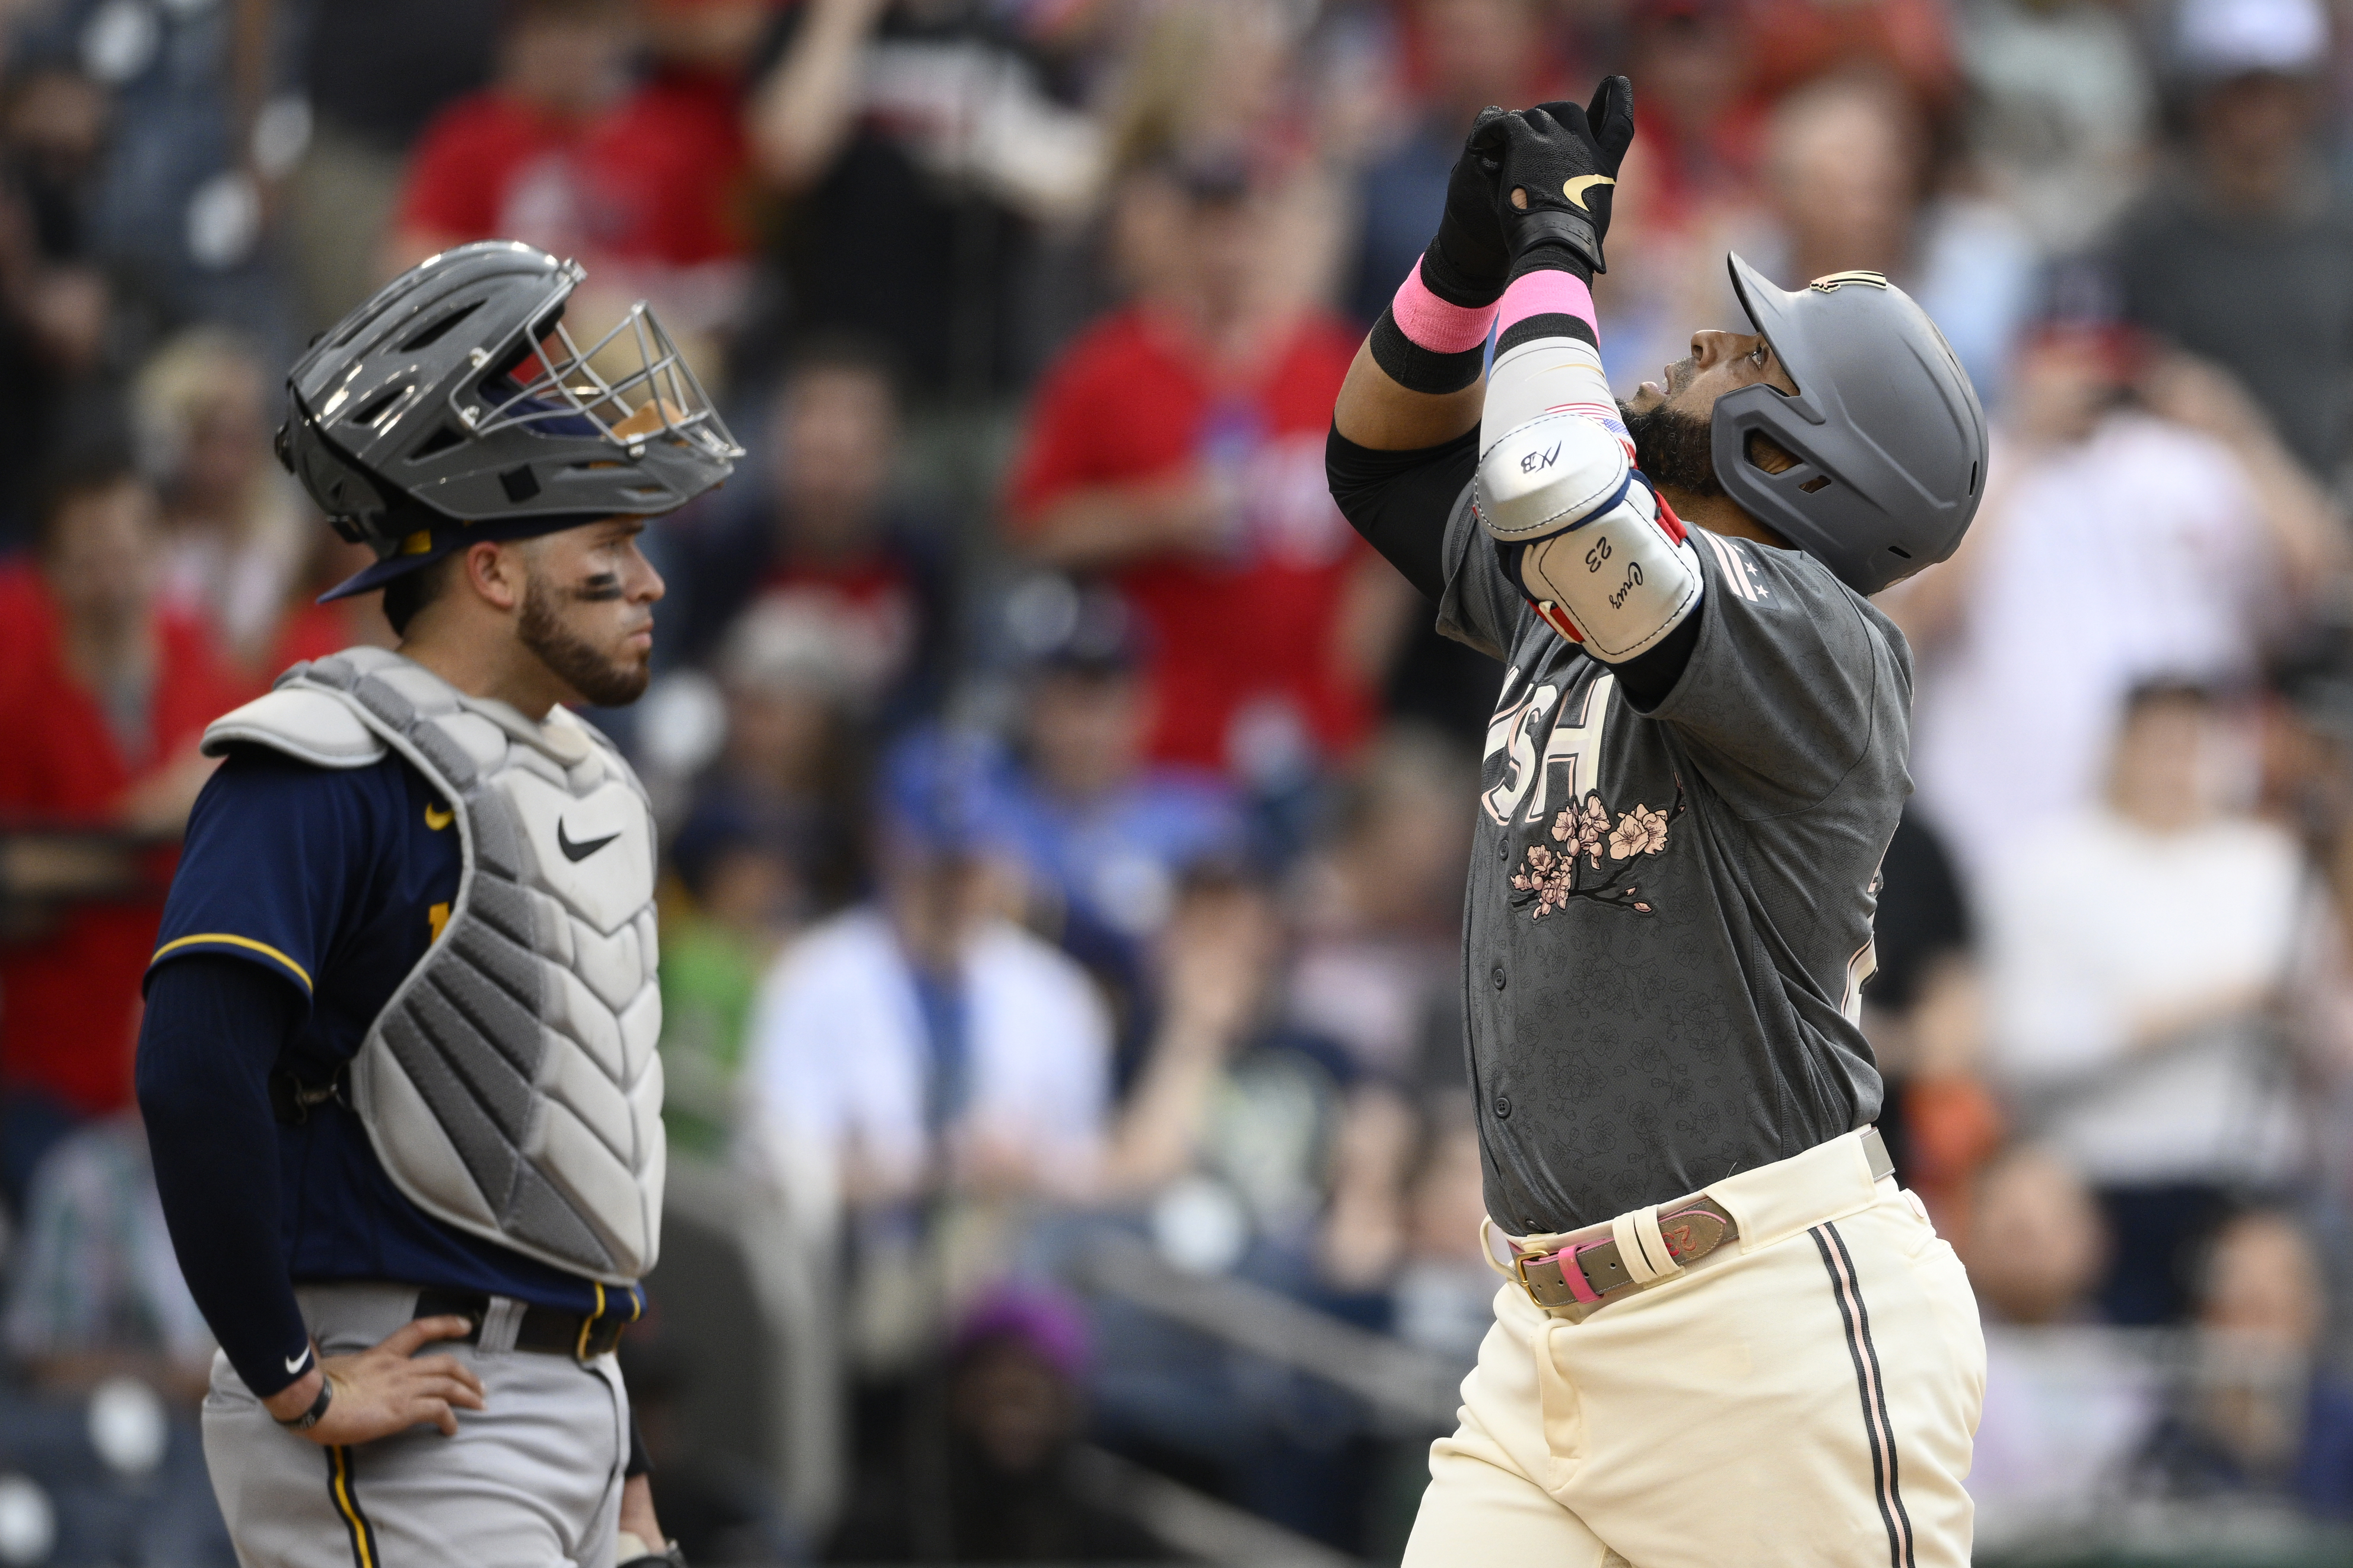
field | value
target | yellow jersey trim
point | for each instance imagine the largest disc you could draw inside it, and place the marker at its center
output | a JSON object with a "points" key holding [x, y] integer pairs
{"points": [[245, 941]]}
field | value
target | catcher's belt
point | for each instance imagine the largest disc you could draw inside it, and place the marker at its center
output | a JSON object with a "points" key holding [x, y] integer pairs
{"points": [[1606, 1263]]}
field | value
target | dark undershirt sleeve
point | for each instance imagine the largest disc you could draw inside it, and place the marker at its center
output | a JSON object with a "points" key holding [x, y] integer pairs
{"points": [[1399, 500], [212, 1031], [1648, 676]]}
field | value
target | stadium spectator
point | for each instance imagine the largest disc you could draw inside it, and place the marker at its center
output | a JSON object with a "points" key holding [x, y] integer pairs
{"points": [[1003, 1486], [169, 203], [2060, 107], [2037, 1247], [923, 1044], [635, 177], [373, 77], [2136, 957], [1379, 906], [1443, 1293], [103, 695], [744, 895], [1923, 1011], [1695, 119], [57, 310], [2262, 1415], [94, 1289], [2067, 1403], [1794, 42], [829, 532], [2240, 253], [1177, 448], [1460, 57], [1848, 174], [791, 776], [1102, 837], [916, 148], [237, 537], [2107, 459]]}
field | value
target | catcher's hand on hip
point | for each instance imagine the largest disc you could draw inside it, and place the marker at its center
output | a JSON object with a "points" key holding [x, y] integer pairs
{"points": [[390, 1388]]}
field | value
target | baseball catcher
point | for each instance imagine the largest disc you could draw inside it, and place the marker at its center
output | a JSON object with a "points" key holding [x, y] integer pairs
{"points": [[397, 1063], [1727, 1335]]}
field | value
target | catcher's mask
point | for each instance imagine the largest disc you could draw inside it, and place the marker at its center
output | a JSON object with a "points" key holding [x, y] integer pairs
{"points": [[457, 405]]}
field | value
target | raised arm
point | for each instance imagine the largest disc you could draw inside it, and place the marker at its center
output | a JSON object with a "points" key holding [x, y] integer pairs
{"points": [[1601, 557]]}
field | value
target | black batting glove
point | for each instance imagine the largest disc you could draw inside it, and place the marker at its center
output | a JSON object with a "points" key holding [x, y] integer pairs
{"points": [[1565, 157], [1470, 261]]}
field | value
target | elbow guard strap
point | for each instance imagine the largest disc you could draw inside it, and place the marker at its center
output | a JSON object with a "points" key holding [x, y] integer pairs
{"points": [[1604, 560]]}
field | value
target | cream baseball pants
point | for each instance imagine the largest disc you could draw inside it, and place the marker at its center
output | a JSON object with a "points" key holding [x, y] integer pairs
{"points": [[1806, 1394]]}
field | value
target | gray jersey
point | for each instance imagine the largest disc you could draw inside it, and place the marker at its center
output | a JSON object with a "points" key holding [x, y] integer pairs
{"points": [[1669, 915]]}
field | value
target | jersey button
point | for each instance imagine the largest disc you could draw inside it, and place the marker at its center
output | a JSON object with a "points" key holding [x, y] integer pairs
{"points": [[1498, 977], [1503, 850], [1504, 1107]]}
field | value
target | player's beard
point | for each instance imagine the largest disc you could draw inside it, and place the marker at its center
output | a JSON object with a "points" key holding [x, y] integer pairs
{"points": [[1673, 446], [604, 680]]}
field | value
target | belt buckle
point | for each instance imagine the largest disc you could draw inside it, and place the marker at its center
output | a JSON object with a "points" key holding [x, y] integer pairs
{"points": [[1572, 1276]]}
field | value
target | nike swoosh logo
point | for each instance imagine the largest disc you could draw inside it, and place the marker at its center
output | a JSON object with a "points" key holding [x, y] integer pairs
{"points": [[579, 851], [1575, 189], [295, 1363], [438, 817]]}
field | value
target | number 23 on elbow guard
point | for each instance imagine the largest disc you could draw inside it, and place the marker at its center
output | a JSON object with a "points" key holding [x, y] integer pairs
{"points": [[1583, 536]]}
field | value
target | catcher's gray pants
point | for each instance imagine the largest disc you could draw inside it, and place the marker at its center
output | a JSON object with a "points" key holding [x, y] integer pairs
{"points": [[531, 1481]]}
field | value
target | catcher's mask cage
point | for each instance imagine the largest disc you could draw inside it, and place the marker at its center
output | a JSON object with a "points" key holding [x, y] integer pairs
{"points": [[457, 405]]}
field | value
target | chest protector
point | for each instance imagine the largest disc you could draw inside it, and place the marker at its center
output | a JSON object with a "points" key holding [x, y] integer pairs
{"points": [[511, 1085]]}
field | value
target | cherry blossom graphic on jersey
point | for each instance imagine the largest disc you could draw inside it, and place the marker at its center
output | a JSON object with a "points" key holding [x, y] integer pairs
{"points": [[1589, 847]]}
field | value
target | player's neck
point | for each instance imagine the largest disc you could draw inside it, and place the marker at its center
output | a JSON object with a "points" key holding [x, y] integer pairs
{"points": [[1720, 515], [496, 668]]}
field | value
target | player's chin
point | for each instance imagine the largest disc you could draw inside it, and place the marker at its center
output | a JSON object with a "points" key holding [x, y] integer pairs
{"points": [[621, 685], [625, 673]]}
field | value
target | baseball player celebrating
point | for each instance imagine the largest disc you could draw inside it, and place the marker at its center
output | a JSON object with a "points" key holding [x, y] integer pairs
{"points": [[398, 1063], [1728, 1337]]}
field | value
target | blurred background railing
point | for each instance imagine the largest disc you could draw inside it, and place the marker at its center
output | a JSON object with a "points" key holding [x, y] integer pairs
{"points": [[1065, 816]]}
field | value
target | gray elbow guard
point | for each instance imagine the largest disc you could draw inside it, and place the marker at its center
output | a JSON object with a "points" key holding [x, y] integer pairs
{"points": [[1582, 535]]}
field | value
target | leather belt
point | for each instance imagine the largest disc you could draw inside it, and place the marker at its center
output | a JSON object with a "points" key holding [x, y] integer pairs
{"points": [[1589, 1267], [545, 1330]]}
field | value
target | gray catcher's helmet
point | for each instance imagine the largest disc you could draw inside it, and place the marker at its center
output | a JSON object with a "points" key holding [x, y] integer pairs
{"points": [[456, 406]]}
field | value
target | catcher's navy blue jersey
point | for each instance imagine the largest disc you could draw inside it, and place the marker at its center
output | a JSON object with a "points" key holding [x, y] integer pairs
{"points": [[335, 881]]}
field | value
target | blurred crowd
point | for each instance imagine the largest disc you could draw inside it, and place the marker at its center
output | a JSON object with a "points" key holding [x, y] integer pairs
{"points": [[1065, 814]]}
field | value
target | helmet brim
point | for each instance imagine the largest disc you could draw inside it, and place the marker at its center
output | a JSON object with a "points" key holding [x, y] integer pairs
{"points": [[1770, 312]]}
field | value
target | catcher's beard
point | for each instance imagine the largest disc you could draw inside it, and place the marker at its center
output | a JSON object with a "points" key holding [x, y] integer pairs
{"points": [[1674, 447], [604, 680]]}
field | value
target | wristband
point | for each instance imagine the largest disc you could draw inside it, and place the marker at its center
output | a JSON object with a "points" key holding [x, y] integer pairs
{"points": [[1545, 302], [310, 1418], [1426, 343]]}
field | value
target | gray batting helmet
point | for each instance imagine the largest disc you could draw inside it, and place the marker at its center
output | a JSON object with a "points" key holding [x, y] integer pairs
{"points": [[1889, 439], [456, 406]]}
